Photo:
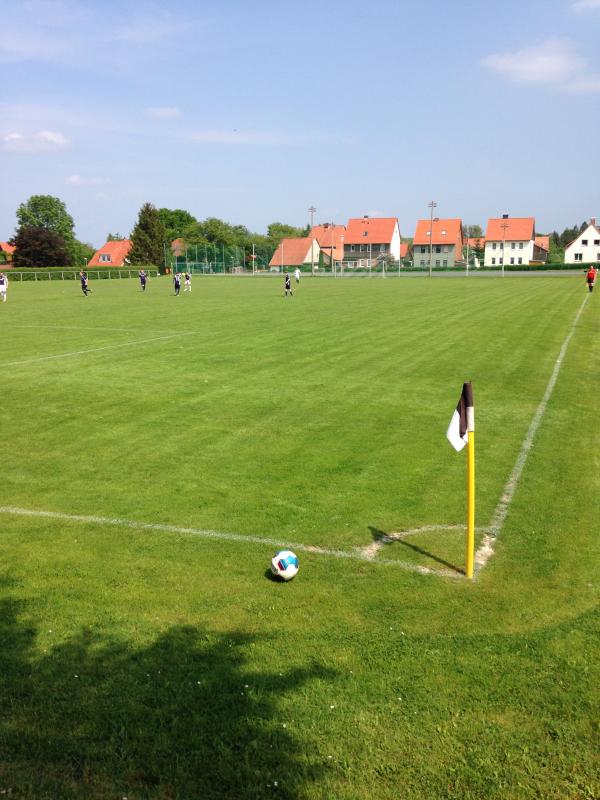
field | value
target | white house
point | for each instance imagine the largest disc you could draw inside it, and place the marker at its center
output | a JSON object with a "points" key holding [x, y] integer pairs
{"points": [[295, 252], [517, 235], [586, 247], [367, 239]]}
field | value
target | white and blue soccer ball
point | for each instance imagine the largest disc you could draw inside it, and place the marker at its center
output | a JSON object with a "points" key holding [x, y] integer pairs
{"points": [[284, 565]]}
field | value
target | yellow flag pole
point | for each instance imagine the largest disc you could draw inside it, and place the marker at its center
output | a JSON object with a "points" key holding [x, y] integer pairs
{"points": [[470, 503]]}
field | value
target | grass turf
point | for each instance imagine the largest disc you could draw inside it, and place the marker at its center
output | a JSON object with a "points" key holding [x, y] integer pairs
{"points": [[158, 665]]}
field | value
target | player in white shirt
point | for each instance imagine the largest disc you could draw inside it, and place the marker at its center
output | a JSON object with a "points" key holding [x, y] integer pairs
{"points": [[3, 286], [297, 274], [187, 282]]}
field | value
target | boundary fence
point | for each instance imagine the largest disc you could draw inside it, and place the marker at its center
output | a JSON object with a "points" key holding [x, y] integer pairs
{"points": [[73, 274]]}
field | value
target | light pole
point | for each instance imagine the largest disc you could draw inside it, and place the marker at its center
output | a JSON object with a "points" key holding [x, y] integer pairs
{"points": [[342, 243], [504, 226], [311, 211], [431, 205]]}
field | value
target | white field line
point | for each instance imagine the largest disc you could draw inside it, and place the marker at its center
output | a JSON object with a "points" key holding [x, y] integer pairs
{"points": [[486, 548], [354, 555], [76, 328], [94, 349]]}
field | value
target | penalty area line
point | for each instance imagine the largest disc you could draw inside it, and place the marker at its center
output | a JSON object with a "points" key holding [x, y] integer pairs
{"points": [[117, 522]]}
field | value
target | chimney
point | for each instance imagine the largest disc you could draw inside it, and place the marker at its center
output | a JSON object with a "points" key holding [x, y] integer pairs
{"points": [[504, 216], [593, 221]]}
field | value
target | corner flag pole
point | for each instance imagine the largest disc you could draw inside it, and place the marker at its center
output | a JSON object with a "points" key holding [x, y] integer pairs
{"points": [[461, 432]]}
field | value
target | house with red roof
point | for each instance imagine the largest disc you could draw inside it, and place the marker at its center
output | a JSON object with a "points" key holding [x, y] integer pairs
{"points": [[368, 239], [440, 240], [405, 250], [112, 254], [512, 241], [331, 240], [6, 254], [293, 252], [585, 249]]}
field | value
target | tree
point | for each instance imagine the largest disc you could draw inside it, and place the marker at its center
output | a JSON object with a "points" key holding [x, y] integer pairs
{"points": [[278, 231], [148, 237], [474, 231], [45, 211], [175, 221], [39, 247], [115, 237]]}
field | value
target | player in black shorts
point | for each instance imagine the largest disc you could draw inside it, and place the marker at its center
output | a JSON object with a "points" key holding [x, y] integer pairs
{"points": [[84, 283], [143, 278], [177, 283], [288, 285]]}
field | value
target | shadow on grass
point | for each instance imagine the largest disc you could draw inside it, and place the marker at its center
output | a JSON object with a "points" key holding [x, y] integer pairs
{"points": [[181, 717], [384, 538]]}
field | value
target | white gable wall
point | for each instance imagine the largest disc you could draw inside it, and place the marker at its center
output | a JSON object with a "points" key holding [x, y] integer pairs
{"points": [[577, 251]]}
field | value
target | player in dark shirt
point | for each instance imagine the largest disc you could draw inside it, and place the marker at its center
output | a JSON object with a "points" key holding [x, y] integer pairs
{"points": [[143, 277], [288, 285], [84, 283], [177, 283]]}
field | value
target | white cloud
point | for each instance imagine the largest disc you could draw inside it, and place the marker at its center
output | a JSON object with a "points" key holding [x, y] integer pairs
{"points": [[42, 141], [78, 180], [554, 62], [586, 5], [163, 112]]}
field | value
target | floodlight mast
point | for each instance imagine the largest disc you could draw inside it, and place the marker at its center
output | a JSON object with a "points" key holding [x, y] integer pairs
{"points": [[504, 226], [431, 205], [311, 211]]}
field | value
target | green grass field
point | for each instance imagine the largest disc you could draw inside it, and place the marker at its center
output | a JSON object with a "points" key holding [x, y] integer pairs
{"points": [[145, 663]]}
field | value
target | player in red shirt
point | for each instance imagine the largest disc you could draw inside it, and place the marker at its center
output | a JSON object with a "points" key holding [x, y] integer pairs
{"points": [[590, 277]]}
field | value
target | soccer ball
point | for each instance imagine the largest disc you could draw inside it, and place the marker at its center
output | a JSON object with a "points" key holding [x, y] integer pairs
{"points": [[284, 565]]}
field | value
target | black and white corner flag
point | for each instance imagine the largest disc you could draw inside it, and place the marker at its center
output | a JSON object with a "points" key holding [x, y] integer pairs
{"points": [[463, 419]]}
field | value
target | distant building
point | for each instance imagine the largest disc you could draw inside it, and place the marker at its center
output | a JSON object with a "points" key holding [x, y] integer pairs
{"points": [[112, 254], [295, 253], [6, 255], [518, 235], [586, 247], [443, 241], [405, 250], [178, 247], [367, 239], [331, 240]]}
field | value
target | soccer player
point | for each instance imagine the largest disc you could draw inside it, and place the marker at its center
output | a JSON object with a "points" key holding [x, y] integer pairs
{"points": [[297, 274], [188, 282], [177, 283], [143, 278], [84, 283], [590, 277], [288, 285], [3, 286]]}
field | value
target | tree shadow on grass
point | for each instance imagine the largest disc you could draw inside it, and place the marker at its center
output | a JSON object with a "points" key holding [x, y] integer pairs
{"points": [[384, 538], [182, 717]]}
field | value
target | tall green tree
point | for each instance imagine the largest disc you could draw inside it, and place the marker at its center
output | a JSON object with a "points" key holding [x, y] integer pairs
{"points": [[45, 211], [278, 231], [148, 238], [39, 247], [176, 221]]}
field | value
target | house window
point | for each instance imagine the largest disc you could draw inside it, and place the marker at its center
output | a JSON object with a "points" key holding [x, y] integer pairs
{"points": [[363, 248], [438, 249], [578, 256], [502, 260], [512, 245], [422, 249], [382, 248], [445, 262], [512, 261], [520, 245], [365, 233], [105, 257], [493, 245], [351, 248], [493, 261], [443, 233], [422, 262], [428, 233], [520, 260], [597, 242], [584, 242], [437, 262]]}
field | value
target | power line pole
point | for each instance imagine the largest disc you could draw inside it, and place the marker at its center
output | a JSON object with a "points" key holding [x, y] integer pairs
{"points": [[431, 205], [311, 211]]}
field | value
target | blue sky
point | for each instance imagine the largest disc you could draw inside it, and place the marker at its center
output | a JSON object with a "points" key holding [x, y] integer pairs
{"points": [[252, 112]]}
